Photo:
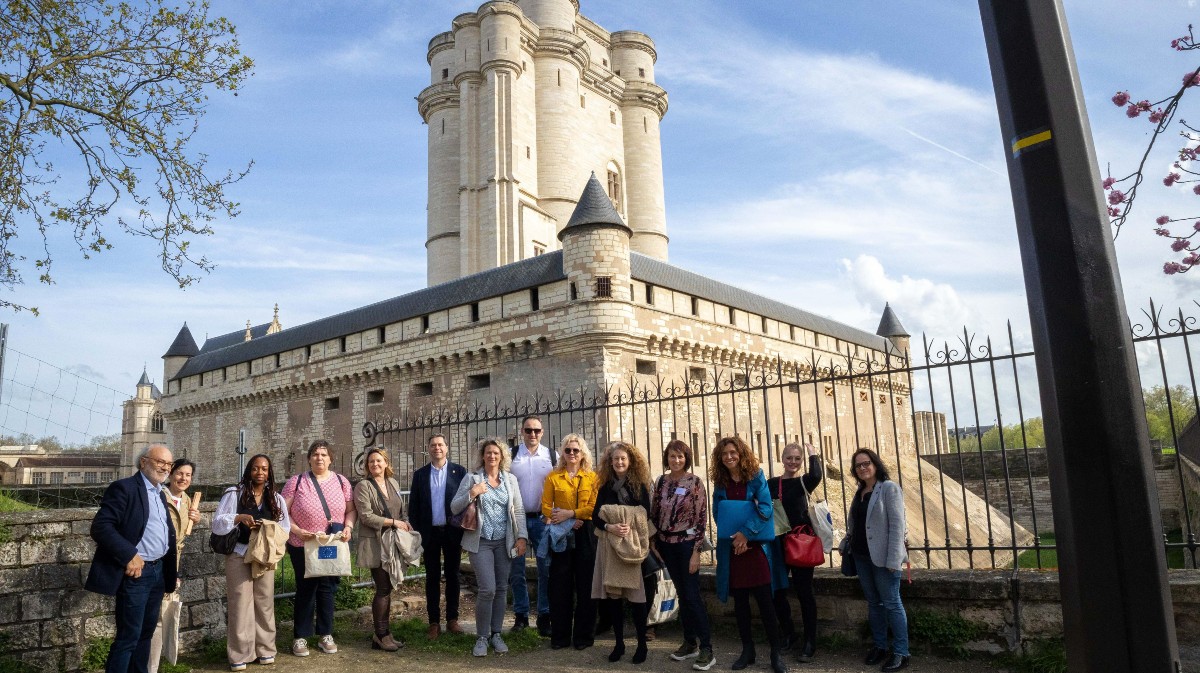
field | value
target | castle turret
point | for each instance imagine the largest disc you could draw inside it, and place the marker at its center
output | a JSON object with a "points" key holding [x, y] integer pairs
{"points": [[891, 329], [596, 248], [182, 349], [643, 106], [557, 14]]}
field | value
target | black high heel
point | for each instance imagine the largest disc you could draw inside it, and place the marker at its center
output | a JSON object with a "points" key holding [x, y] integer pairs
{"points": [[618, 651]]}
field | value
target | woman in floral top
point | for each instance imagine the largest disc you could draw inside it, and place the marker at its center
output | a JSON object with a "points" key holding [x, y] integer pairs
{"points": [[679, 509]]}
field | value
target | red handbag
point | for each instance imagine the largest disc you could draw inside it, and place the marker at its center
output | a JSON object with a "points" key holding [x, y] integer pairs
{"points": [[802, 548]]}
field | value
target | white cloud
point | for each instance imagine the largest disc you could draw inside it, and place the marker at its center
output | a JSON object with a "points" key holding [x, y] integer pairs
{"points": [[920, 303]]}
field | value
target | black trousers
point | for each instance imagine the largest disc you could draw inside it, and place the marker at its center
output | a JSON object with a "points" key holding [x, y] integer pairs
{"points": [[443, 543], [802, 579], [572, 610], [766, 610]]}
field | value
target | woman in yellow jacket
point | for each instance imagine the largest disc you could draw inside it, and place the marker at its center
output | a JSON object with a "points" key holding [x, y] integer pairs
{"points": [[568, 498]]}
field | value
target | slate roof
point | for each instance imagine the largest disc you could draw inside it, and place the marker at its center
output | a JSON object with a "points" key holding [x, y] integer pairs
{"points": [[82, 460], [513, 277], [656, 272], [145, 380], [594, 207], [889, 324], [235, 337], [183, 345]]}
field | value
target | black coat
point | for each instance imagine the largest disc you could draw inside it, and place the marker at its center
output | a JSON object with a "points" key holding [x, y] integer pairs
{"points": [[420, 513], [117, 529]]}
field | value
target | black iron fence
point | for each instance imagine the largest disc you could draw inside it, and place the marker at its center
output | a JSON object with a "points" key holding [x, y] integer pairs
{"points": [[956, 421]]}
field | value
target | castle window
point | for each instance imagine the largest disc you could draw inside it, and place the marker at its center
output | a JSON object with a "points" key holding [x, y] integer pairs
{"points": [[527, 152], [603, 287], [764, 324], [308, 352], [732, 316], [479, 381], [522, 66], [583, 101], [741, 380], [793, 330], [697, 374], [649, 294], [333, 403], [278, 360], [574, 292], [56, 478], [381, 335], [39, 478], [106, 476], [560, 77], [614, 186], [648, 367], [612, 117], [424, 323], [224, 374], [641, 72], [342, 345], [534, 299], [695, 306], [156, 422], [604, 61], [422, 389], [617, 73], [443, 126], [90, 478], [475, 312], [445, 73], [375, 397], [538, 250]]}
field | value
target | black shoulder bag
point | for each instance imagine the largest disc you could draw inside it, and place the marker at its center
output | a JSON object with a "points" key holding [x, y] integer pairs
{"points": [[333, 527]]}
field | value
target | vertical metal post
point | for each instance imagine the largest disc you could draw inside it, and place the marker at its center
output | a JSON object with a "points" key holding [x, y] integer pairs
{"points": [[3, 356], [1117, 612], [241, 451]]}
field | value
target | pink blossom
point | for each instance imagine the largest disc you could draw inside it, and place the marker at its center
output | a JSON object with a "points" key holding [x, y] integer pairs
{"points": [[1121, 98], [1179, 244], [1172, 268], [1161, 220], [1162, 232], [1191, 79], [1157, 116], [1192, 259], [1116, 196], [1108, 182], [1132, 111], [1175, 44], [1171, 179], [1196, 226], [1113, 212]]}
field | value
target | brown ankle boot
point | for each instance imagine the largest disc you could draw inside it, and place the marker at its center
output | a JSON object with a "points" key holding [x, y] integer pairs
{"points": [[385, 643]]}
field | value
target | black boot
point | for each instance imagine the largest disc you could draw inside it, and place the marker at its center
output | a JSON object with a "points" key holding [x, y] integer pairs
{"points": [[875, 655], [806, 655], [777, 665], [543, 625], [746, 658], [895, 663], [520, 622]]}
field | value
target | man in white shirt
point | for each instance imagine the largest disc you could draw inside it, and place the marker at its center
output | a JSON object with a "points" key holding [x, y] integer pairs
{"points": [[530, 464]]}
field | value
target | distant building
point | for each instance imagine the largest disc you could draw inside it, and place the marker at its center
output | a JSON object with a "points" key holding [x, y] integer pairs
{"points": [[929, 427], [141, 423], [33, 465]]}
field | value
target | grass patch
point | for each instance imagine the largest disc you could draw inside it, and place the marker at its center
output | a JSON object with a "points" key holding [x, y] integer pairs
{"points": [[168, 667], [95, 654], [1049, 557], [838, 641], [412, 632], [8, 503], [9, 663], [1047, 656], [946, 632]]}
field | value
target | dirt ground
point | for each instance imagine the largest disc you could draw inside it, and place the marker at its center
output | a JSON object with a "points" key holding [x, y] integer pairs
{"points": [[355, 654]]}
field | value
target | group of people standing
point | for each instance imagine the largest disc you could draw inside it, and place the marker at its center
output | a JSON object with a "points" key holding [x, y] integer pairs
{"points": [[598, 533]]}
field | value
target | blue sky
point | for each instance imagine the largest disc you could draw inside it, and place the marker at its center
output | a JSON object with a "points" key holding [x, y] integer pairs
{"points": [[831, 155]]}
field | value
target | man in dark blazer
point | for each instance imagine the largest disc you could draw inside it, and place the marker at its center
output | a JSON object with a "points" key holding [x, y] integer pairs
{"points": [[135, 557], [433, 486]]}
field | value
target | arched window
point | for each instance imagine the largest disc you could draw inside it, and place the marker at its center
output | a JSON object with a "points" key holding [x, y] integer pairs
{"points": [[156, 422], [614, 186]]}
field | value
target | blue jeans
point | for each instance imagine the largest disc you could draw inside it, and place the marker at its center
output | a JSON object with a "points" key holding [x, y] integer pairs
{"points": [[676, 556], [520, 587], [312, 594], [882, 590], [139, 600], [490, 564]]}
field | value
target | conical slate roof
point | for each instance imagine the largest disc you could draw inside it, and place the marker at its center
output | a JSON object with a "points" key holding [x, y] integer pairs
{"points": [[183, 345], [594, 207], [145, 380], [889, 324]]}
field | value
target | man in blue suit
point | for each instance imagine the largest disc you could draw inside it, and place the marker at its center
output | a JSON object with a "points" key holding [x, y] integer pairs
{"points": [[135, 557], [433, 486]]}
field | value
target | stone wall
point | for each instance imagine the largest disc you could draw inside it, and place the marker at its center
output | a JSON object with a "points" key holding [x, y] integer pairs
{"points": [[45, 613], [1029, 483]]}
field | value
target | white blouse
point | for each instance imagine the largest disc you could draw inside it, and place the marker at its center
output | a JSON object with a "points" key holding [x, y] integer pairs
{"points": [[223, 522]]}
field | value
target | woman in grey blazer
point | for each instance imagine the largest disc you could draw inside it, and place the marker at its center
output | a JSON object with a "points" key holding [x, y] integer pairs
{"points": [[377, 499], [876, 530], [499, 537]]}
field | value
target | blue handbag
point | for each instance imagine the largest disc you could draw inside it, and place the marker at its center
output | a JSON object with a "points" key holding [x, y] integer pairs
{"points": [[733, 515]]}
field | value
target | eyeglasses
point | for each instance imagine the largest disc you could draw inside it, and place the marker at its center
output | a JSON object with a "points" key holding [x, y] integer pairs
{"points": [[572, 451], [533, 431], [164, 464], [862, 466]]}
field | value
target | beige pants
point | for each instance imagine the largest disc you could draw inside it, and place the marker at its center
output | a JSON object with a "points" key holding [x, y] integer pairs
{"points": [[251, 622], [157, 641]]}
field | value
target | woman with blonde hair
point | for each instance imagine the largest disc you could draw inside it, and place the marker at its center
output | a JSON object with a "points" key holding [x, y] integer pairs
{"points": [[499, 537], [746, 568], [568, 498], [624, 479], [377, 499]]}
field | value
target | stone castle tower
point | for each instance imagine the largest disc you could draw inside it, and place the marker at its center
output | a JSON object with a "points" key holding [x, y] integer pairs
{"points": [[141, 422], [527, 98]]}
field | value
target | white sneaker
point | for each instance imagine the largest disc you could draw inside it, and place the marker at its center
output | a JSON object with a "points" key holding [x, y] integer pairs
{"points": [[481, 645], [327, 645], [300, 647], [498, 644]]}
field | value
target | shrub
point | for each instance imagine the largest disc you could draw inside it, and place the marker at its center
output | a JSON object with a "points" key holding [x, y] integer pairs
{"points": [[95, 654], [944, 631]]}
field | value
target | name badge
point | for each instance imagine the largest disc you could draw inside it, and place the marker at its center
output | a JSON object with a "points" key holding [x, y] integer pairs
{"points": [[679, 490], [691, 531]]}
